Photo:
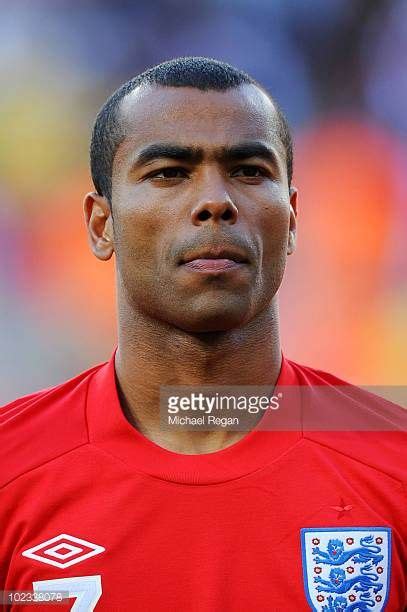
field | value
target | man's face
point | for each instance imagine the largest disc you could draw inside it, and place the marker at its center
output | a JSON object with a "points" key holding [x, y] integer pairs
{"points": [[201, 206]]}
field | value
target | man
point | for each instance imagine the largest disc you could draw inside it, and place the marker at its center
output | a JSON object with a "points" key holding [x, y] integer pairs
{"points": [[192, 165]]}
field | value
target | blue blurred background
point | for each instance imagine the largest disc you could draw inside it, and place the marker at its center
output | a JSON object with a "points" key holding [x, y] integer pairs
{"points": [[337, 67]]}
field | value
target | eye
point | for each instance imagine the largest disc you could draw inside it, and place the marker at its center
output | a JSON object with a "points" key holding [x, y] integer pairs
{"points": [[249, 172], [168, 173]]}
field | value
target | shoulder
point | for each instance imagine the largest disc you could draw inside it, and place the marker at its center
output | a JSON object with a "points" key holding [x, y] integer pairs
{"points": [[39, 427], [354, 421]]}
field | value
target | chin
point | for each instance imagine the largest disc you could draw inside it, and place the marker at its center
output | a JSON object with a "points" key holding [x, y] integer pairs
{"points": [[213, 322], [207, 313]]}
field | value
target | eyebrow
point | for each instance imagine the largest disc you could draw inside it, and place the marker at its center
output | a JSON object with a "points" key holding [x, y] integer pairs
{"points": [[194, 155], [245, 150], [167, 150]]}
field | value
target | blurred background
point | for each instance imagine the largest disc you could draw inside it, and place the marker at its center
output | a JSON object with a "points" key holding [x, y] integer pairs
{"points": [[337, 67]]}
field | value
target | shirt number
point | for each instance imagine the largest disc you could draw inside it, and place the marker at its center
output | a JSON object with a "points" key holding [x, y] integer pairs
{"points": [[86, 589]]}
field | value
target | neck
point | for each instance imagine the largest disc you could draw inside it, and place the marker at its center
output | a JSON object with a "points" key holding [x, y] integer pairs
{"points": [[152, 353]]}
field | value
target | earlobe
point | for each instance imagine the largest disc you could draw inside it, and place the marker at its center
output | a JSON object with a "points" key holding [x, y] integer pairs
{"points": [[98, 221], [291, 242]]}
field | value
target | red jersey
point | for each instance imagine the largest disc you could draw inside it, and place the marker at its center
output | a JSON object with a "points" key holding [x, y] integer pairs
{"points": [[281, 520]]}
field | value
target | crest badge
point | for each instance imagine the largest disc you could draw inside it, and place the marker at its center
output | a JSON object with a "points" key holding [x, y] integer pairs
{"points": [[346, 568]]}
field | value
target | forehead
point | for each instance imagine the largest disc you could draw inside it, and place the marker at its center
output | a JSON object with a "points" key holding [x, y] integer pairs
{"points": [[189, 116]]}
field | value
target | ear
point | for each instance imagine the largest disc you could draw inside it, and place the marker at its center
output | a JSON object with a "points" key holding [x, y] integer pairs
{"points": [[292, 236], [98, 219]]}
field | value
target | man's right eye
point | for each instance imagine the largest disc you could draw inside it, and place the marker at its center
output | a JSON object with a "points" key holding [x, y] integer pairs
{"points": [[168, 173]]}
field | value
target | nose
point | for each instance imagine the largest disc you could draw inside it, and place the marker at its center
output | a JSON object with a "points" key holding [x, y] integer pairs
{"points": [[215, 205]]}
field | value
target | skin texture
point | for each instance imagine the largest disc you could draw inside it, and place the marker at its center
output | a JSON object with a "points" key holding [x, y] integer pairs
{"points": [[175, 325]]}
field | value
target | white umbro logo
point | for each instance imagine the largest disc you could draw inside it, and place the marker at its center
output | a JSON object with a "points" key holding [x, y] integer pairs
{"points": [[63, 551]]}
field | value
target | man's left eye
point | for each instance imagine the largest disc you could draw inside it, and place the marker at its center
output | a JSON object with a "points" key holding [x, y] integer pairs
{"points": [[169, 173], [249, 171]]}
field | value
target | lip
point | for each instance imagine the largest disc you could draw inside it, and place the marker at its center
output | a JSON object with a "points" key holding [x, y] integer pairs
{"points": [[212, 265], [215, 254]]}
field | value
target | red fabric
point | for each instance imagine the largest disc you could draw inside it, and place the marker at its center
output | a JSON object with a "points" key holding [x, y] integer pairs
{"points": [[215, 532]]}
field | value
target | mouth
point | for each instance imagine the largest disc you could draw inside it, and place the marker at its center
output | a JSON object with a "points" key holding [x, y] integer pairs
{"points": [[214, 260]]}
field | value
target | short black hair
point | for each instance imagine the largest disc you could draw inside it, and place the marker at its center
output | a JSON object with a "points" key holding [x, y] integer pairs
{"points": [[198, 72]]}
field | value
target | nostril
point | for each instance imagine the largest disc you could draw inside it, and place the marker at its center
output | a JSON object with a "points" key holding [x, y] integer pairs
{"points": [[204, 215], [227, 214]]}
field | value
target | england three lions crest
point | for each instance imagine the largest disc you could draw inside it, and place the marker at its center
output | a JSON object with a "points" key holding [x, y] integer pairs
{"points": [[346, 568]]}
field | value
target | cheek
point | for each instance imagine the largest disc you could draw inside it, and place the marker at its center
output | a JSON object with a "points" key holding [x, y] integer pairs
{"points": [[275, 222], [138, 225]]}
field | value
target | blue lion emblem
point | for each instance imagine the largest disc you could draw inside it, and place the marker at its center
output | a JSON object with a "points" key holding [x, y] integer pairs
{"points": [[338, 584], [346, 569], [336, 555], [340, 604]]}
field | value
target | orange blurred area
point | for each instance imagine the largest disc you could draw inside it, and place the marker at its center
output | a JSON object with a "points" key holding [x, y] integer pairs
{"points": [[339, 299], [64, 267]]}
